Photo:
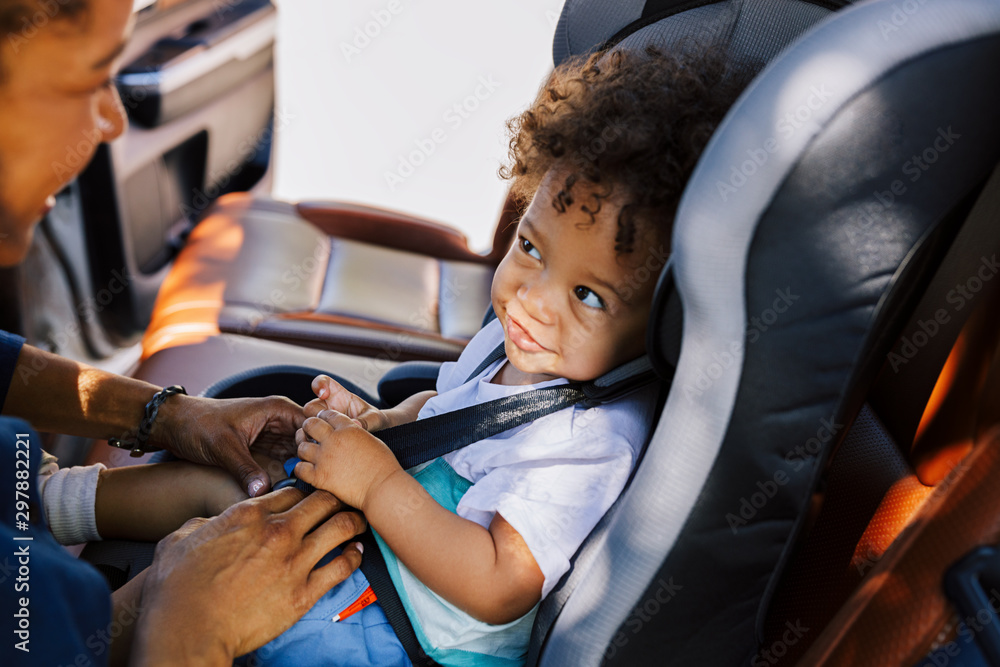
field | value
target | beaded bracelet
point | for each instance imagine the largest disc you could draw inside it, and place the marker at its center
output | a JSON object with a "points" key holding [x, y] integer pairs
{"points": [[139, 442]]}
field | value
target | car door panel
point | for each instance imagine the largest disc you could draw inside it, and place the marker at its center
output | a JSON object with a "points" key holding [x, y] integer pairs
{"points": [[198, 85]]}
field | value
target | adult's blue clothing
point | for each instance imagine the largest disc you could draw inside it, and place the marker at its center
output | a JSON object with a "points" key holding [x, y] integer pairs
{"points": [[56, 610]]}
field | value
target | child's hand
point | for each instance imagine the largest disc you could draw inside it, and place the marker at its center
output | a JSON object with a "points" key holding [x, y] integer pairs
{"points": [[331, 395], [345, 459]]}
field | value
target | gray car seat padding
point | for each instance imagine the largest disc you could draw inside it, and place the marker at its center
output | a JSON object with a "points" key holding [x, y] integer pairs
{"points": [[800, 234], [754, 31]]}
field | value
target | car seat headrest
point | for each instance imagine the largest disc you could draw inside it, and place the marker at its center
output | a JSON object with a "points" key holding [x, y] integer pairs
{"points": [[751, 31]]}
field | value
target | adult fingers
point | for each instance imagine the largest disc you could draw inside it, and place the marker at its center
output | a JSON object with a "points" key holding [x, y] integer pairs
{"points": [[236, 458], [279, 501], [312, 510], [283, 412], [324, 578], [338, 529]]}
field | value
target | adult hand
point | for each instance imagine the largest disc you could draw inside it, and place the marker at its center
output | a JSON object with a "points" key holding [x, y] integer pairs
{"points": [[221, 431], [220, 588]]}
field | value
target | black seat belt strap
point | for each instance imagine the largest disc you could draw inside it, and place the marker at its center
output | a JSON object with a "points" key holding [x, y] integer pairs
{"points": [[374, 568], [433, 437], [430, 438]]}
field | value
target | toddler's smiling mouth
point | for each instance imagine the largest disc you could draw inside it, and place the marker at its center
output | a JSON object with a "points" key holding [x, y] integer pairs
{"points": [[521, 338]]}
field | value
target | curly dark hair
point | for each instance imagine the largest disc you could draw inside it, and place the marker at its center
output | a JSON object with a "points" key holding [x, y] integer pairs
{"points": [[630, 123]]}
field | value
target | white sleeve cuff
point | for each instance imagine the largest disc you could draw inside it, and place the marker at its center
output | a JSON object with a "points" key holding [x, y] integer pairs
{"points": [[68, 497]]}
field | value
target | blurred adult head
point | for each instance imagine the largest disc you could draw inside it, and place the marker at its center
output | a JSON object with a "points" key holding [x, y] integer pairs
{"points": [[58, 102]]}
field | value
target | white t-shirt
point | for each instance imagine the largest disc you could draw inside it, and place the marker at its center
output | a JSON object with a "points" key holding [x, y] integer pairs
{"points": [[552, 479]]}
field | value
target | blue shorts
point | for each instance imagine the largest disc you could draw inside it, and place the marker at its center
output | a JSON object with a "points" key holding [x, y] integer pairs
{"points": [[363, 638]]}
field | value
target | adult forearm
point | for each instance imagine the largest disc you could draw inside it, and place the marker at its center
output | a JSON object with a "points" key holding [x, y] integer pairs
{"points": [[61, 395], [456, 558]]}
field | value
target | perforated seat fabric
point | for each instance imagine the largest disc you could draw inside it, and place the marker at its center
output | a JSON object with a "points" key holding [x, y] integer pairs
{"points": [[258, 267]]}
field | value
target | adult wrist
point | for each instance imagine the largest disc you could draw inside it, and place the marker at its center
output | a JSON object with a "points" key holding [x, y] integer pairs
{"points": [[179, 638], [142, 439], [177, 649], [174, 414]]}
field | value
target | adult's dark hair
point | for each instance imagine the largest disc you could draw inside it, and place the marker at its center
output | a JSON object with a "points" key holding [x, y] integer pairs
{"points": [[20, 20], [630, 124]]}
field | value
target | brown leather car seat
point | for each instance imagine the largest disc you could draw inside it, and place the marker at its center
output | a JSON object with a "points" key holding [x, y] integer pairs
{"points": [[327, 275]]}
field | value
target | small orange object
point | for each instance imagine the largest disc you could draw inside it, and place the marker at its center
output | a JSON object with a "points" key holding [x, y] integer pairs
{"points": [[366, 599]]}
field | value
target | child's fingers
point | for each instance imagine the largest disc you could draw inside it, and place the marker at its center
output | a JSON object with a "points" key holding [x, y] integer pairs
{"points": [[314, 407], [317, 429], [321, 385], [308, 451], [337, 420], [326, 387], [305, 471], [322, 427]]}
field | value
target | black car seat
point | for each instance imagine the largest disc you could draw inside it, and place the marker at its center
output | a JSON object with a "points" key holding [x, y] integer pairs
{"points": [[806, 237]]}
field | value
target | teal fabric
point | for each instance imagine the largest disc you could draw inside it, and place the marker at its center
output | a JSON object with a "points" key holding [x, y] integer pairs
{"points": [[447, 488]]}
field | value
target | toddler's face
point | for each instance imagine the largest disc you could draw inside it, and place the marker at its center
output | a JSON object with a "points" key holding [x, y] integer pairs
{"points": [[569, 305]]}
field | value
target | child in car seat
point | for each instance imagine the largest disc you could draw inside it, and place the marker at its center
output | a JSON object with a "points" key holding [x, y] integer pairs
{"points": [[475, 539]]}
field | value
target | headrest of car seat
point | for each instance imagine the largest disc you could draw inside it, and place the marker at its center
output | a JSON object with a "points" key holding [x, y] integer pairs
{"points": [[752, 31], [801, 245]]}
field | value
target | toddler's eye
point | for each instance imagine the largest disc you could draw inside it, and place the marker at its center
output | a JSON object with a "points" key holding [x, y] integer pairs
{"points": [[530, 249], [588, 297]]}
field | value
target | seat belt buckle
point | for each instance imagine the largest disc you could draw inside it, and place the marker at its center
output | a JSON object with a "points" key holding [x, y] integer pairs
{"points": [[972, 585]]}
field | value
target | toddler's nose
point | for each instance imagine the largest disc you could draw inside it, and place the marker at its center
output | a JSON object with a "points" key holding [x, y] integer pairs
{"points": [[536, 301]]}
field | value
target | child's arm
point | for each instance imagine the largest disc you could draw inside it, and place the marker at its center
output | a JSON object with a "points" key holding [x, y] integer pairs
{"points": [[331, 395], [148, 502], [490, 574]]}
